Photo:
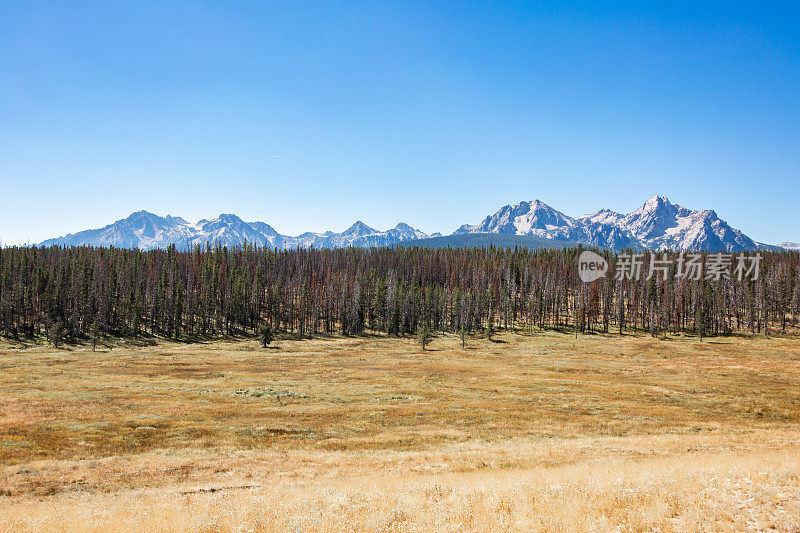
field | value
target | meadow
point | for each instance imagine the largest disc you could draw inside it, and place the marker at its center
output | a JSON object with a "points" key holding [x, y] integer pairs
{"points": [[372, 433]]}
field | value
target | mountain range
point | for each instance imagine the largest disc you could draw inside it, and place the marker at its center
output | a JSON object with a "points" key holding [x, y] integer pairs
{"points": [[656, 225], [147, 231]]}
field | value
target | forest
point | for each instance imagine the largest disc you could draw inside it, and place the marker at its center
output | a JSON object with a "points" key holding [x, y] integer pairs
{"points": [[69, 293]]}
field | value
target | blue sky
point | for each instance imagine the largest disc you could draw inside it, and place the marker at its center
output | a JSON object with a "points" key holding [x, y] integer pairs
{"points": [[431, 113]]}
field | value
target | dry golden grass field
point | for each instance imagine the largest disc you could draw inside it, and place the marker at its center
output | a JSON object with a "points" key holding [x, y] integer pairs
{"points": [[525, 433]]}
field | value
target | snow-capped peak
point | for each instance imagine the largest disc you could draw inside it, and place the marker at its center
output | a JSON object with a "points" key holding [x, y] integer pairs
{"points": [[657, 201], [523, 218]]}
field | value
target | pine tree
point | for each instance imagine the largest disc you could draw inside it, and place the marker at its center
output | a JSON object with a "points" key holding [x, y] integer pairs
{"points": [[56, 333], [424, 335], [94, 334], [266, 334], [700, 321]]}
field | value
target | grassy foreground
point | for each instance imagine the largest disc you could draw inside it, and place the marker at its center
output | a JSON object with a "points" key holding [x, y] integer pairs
{"points": [[542, 432]]}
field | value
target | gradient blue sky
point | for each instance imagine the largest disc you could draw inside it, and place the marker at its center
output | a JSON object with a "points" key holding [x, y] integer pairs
{"points": [[435, 114]]}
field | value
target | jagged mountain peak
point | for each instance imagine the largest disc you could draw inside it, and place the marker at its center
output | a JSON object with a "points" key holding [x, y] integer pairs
{"points": [[532, 205], [657, 200], [139, 218], [358, 228], [657, 205], [405, 232], [604, 216], [142, 214], [527, 205], [227, 219]]}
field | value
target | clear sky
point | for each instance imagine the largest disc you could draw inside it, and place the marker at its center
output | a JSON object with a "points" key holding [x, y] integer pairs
{"points": [[435, 114]]}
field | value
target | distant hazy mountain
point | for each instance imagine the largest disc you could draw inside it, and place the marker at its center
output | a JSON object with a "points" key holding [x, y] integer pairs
{"points": [[791, 246], [140, 230], [656, 225], [147, 231]]}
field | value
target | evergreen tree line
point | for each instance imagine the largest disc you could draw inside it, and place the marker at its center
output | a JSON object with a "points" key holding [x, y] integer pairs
{"points": [[85, 292]]}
